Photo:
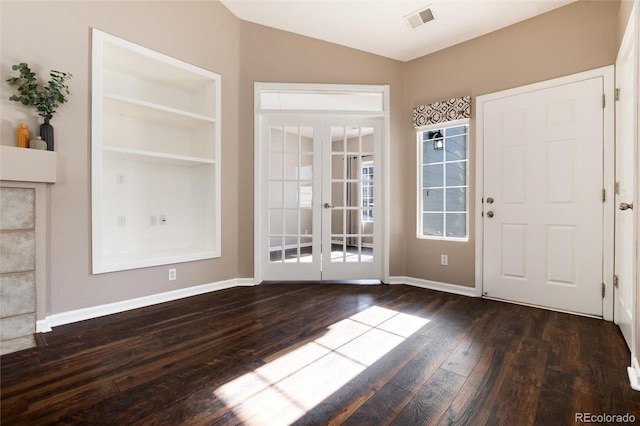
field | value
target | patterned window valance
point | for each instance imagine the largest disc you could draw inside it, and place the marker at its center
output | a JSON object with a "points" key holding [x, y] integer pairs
{"points": [[441, 112]]}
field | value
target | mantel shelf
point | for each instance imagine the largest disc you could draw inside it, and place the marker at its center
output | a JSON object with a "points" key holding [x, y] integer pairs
{"points": [[27, 165]]}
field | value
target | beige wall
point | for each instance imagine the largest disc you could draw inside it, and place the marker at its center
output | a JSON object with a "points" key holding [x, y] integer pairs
{"points": [[56, 35], [270, 55], [575, 38], [578, 37]]}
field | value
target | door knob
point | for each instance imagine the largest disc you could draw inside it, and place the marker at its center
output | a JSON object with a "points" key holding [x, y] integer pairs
{"points": [[626, 206], [489, 214], [328, 206], [490, 200]]}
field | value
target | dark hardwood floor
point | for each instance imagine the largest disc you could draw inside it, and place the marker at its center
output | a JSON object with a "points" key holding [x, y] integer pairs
{"points": [[314, 354]]}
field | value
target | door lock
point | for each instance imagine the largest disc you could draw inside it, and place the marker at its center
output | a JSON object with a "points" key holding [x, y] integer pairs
{"points": [[490, 200], [328, 206], [626, 206]]}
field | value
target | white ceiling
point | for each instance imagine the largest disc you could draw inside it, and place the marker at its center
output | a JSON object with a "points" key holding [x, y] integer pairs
{"points": [[379, 27]]}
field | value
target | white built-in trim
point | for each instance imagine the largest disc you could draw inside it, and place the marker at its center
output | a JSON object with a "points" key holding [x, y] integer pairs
{"points": [[434, 285], [634, 374], [69, 317]]}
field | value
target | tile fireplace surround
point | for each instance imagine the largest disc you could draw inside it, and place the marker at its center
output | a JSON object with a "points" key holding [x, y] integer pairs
{"points": [[25, 177]]}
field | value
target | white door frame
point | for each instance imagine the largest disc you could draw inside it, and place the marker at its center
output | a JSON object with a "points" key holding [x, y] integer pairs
{"points": [[607, 73], [259, 161]]}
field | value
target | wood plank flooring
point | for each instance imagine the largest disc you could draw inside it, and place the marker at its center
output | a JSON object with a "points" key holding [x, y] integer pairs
{"points": [[317, 354]]}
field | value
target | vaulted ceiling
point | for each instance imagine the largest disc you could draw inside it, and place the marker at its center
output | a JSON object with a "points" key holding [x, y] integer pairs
{"points": [[382, 26]]}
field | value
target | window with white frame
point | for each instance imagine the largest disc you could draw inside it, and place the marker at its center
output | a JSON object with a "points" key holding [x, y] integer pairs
{"points": [[443, 200], [367, 191]]}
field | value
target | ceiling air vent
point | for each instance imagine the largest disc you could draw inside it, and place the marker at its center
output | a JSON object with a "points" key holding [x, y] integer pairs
{"points": [[420, 17]]}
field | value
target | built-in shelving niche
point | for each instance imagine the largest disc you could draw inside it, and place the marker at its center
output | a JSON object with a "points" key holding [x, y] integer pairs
{"points": [[155, 158]]}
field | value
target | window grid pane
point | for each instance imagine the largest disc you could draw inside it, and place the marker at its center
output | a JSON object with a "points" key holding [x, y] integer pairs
{"points": [[367, 192], [444, 182]]}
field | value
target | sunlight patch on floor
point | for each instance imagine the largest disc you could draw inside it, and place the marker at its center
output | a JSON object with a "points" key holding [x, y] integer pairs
{"points": [[284, 389]]}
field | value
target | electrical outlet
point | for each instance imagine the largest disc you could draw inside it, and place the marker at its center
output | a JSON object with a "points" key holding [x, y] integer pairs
{"points": [[153, 220], [172, 274], [122, 221], [121, 178], [163, 219], [444, 259]]}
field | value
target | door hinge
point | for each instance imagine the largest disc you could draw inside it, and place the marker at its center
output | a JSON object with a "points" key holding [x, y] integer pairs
{"points": [[603, 290], [615, 281], [616, 188], [617, 94], [604, 195], [604, 101]]}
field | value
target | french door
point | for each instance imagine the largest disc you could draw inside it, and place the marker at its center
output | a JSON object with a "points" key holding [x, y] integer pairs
{"points": [[350, 186], [318, 186]]}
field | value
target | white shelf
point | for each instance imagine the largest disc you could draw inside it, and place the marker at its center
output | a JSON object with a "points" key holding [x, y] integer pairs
{"points": [[155, 153], [142, 110], [155, 157], [146, 64]]}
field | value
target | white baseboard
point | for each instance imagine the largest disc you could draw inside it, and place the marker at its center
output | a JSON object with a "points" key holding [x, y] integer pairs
{"points": [[434, 285], [634, 374], [68, 317]]}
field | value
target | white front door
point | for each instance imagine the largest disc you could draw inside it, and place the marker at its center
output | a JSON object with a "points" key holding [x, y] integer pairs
{"points": [[626, 200], [319, 181], [543, 197]]}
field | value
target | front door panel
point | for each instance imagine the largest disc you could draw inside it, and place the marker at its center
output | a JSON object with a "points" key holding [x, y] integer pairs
{"points": [[543, 207]]}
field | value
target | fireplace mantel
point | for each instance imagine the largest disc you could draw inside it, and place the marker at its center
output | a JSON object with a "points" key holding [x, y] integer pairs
{"points": [[27, 165]]}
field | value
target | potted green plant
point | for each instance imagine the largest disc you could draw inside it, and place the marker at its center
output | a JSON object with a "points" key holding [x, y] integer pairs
{"points": [[44, 98]]}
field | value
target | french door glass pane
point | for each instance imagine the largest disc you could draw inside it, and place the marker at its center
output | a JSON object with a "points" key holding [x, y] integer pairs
{"points": [[352, 194], [275, 165], [291, 165], [290, 194]]}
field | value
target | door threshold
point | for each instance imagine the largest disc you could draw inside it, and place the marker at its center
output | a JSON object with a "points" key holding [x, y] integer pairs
{"points": [[352, 282]]}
